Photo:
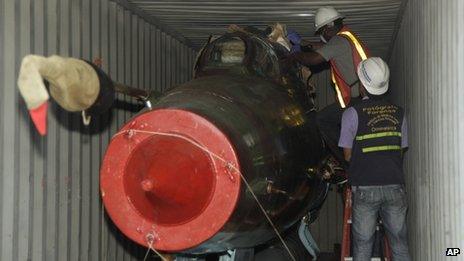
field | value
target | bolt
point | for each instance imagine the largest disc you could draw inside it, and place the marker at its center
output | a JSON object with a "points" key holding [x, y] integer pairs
{"points": [[130, 133], [229, 171]]}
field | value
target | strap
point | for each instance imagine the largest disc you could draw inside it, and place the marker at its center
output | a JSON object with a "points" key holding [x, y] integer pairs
{"points": [[308, 241], [379, 135], [355, 82], [355, 42], [337, 90], [381, 148]]}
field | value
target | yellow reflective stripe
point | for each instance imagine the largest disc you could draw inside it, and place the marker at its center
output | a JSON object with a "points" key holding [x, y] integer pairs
{"points": [[381, 148], [356, 43], [337, 89], [379, 135]]}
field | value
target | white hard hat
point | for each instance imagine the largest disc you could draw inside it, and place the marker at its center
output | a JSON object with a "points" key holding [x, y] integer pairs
{"points": [[374, 74], [326, 15]]}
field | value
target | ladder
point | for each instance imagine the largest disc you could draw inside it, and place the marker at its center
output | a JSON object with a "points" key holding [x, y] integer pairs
{"points": [[346, 237]]}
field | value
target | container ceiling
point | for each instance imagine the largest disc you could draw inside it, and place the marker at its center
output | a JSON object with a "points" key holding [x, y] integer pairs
{"points": [[375, 21]]}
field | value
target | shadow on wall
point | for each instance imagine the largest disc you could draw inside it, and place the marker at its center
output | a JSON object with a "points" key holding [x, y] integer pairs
{"points": [[72, 121], [99, 123]]}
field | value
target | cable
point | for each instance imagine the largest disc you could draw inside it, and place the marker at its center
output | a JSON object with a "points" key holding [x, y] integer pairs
{"points": [[131, 132]]}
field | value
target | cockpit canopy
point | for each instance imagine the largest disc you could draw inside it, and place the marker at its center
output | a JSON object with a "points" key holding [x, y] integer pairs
{"points": [[240, 53], [227, 52]]}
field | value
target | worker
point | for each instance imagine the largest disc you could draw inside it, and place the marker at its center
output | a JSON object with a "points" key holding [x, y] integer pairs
{"points": [[343, 50], [373, 137]]}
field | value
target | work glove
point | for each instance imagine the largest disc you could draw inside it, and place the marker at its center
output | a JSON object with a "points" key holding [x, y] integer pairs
{"points": [[74, 85]]}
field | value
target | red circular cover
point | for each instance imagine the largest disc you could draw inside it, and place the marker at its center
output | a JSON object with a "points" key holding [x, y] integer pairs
{"points": [[168, 179]]}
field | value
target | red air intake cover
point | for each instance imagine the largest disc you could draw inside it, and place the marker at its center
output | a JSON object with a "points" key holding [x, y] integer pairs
{"points": [[169, 179]]}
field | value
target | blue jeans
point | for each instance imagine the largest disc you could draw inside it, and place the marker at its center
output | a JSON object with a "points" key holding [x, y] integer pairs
{"points": [[390, 203]]}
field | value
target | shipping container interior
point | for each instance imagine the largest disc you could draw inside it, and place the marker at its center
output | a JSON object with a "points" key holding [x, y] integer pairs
{"points": [[51, 207]]}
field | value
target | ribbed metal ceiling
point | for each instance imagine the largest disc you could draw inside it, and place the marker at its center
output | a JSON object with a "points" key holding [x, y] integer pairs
{"points": [[374, 20]]}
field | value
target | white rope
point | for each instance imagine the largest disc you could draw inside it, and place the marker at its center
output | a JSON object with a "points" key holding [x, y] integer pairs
{"points": [[131, 132], [86, 118], [150, 239]]}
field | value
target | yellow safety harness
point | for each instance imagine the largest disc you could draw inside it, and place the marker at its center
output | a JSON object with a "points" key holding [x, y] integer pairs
{"points": [[356, 43], [361, 53]]}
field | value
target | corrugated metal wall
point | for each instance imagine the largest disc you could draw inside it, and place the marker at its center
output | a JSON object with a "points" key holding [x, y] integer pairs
{"points": [[50, 202], [197, 19], [427, 66]]}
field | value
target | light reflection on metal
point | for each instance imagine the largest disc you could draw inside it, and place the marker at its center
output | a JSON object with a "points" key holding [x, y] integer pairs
{"points": [[292, 116], [148, 104]]}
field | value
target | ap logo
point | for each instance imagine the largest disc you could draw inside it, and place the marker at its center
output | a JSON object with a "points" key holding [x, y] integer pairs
{"points": [[453, 251]]}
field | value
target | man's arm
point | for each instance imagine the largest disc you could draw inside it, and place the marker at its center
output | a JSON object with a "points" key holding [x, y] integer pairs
{"points": [[308, 58], [314, 45], [348, 131], [347, 153], [334, 48]]}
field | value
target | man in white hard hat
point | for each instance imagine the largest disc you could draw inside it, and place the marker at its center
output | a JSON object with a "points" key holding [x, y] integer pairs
{"points": [[343, 50], [373, 137]]}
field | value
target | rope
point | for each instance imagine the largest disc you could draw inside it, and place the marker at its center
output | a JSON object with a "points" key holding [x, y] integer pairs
{"points": [[150, 239], [131, 132], [86, 118]]}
